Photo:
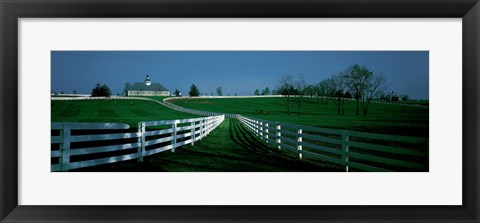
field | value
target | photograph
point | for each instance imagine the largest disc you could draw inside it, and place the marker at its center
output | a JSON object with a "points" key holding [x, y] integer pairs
{"points": [[239, 111]]}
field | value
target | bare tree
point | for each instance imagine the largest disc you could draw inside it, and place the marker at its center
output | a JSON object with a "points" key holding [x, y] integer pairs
{"points": [[219, 90], [299, 89], [375, 88], [322, 89], [358, 80], [335, 86], [285, 88], [310, 90]]}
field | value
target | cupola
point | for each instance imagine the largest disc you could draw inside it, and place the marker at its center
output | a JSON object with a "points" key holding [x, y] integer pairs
{"points": [[147, 81]]}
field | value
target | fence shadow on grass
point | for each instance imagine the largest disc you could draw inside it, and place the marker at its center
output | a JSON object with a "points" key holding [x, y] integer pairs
{"points": [[231, 148], [268, 154]]}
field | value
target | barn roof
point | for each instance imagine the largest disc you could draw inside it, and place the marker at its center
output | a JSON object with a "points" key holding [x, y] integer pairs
{"points": [[140, 86]]}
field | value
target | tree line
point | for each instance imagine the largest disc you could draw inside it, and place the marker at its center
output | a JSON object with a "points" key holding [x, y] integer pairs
{"points": [[357, 83]]}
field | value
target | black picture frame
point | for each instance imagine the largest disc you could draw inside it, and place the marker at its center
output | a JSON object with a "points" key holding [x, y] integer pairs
{"points": [[11, 11]]}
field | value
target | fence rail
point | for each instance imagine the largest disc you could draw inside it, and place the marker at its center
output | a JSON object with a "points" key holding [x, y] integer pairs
{"points": [[358, 150], [194, 111], [78, 145]]}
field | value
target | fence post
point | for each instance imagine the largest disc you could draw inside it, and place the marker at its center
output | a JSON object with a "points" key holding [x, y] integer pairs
{"points": [[299, 143], [193, 133], [141, 149], [201, 128], [266, 132], [211, 124], [279, 134], [261, 128], [207, 125], [174, 134], [345, 149], [66, 148]]}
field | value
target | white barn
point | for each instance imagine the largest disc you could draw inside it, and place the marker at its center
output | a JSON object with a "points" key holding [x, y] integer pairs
{"points": [[147, 88]]}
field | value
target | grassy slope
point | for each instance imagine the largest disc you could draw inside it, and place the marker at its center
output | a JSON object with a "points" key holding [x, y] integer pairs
{"points": [[117, 111], [230, 148], [387, 119]]}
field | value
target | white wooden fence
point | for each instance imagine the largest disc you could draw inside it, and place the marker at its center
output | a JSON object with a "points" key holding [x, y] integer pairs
{"points": [[194, 111], [78, 145], [359, 150]]}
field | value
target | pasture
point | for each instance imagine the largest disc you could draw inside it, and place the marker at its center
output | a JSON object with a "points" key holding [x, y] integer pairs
{"points": [[382, 118], [115, 111], [233, 148]]}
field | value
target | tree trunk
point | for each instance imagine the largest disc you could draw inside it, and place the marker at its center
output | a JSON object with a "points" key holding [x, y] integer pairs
{"points": [[358, 100], [343, 106], [338, 106], [288, 105], [365, 109]]}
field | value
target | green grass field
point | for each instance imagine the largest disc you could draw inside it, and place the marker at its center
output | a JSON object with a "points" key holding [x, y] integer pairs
{"points": [[231, 147], [114, 111], [382, 118]]}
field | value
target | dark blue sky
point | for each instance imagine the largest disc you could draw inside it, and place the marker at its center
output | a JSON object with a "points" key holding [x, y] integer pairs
{"points": [[238, 72]]}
